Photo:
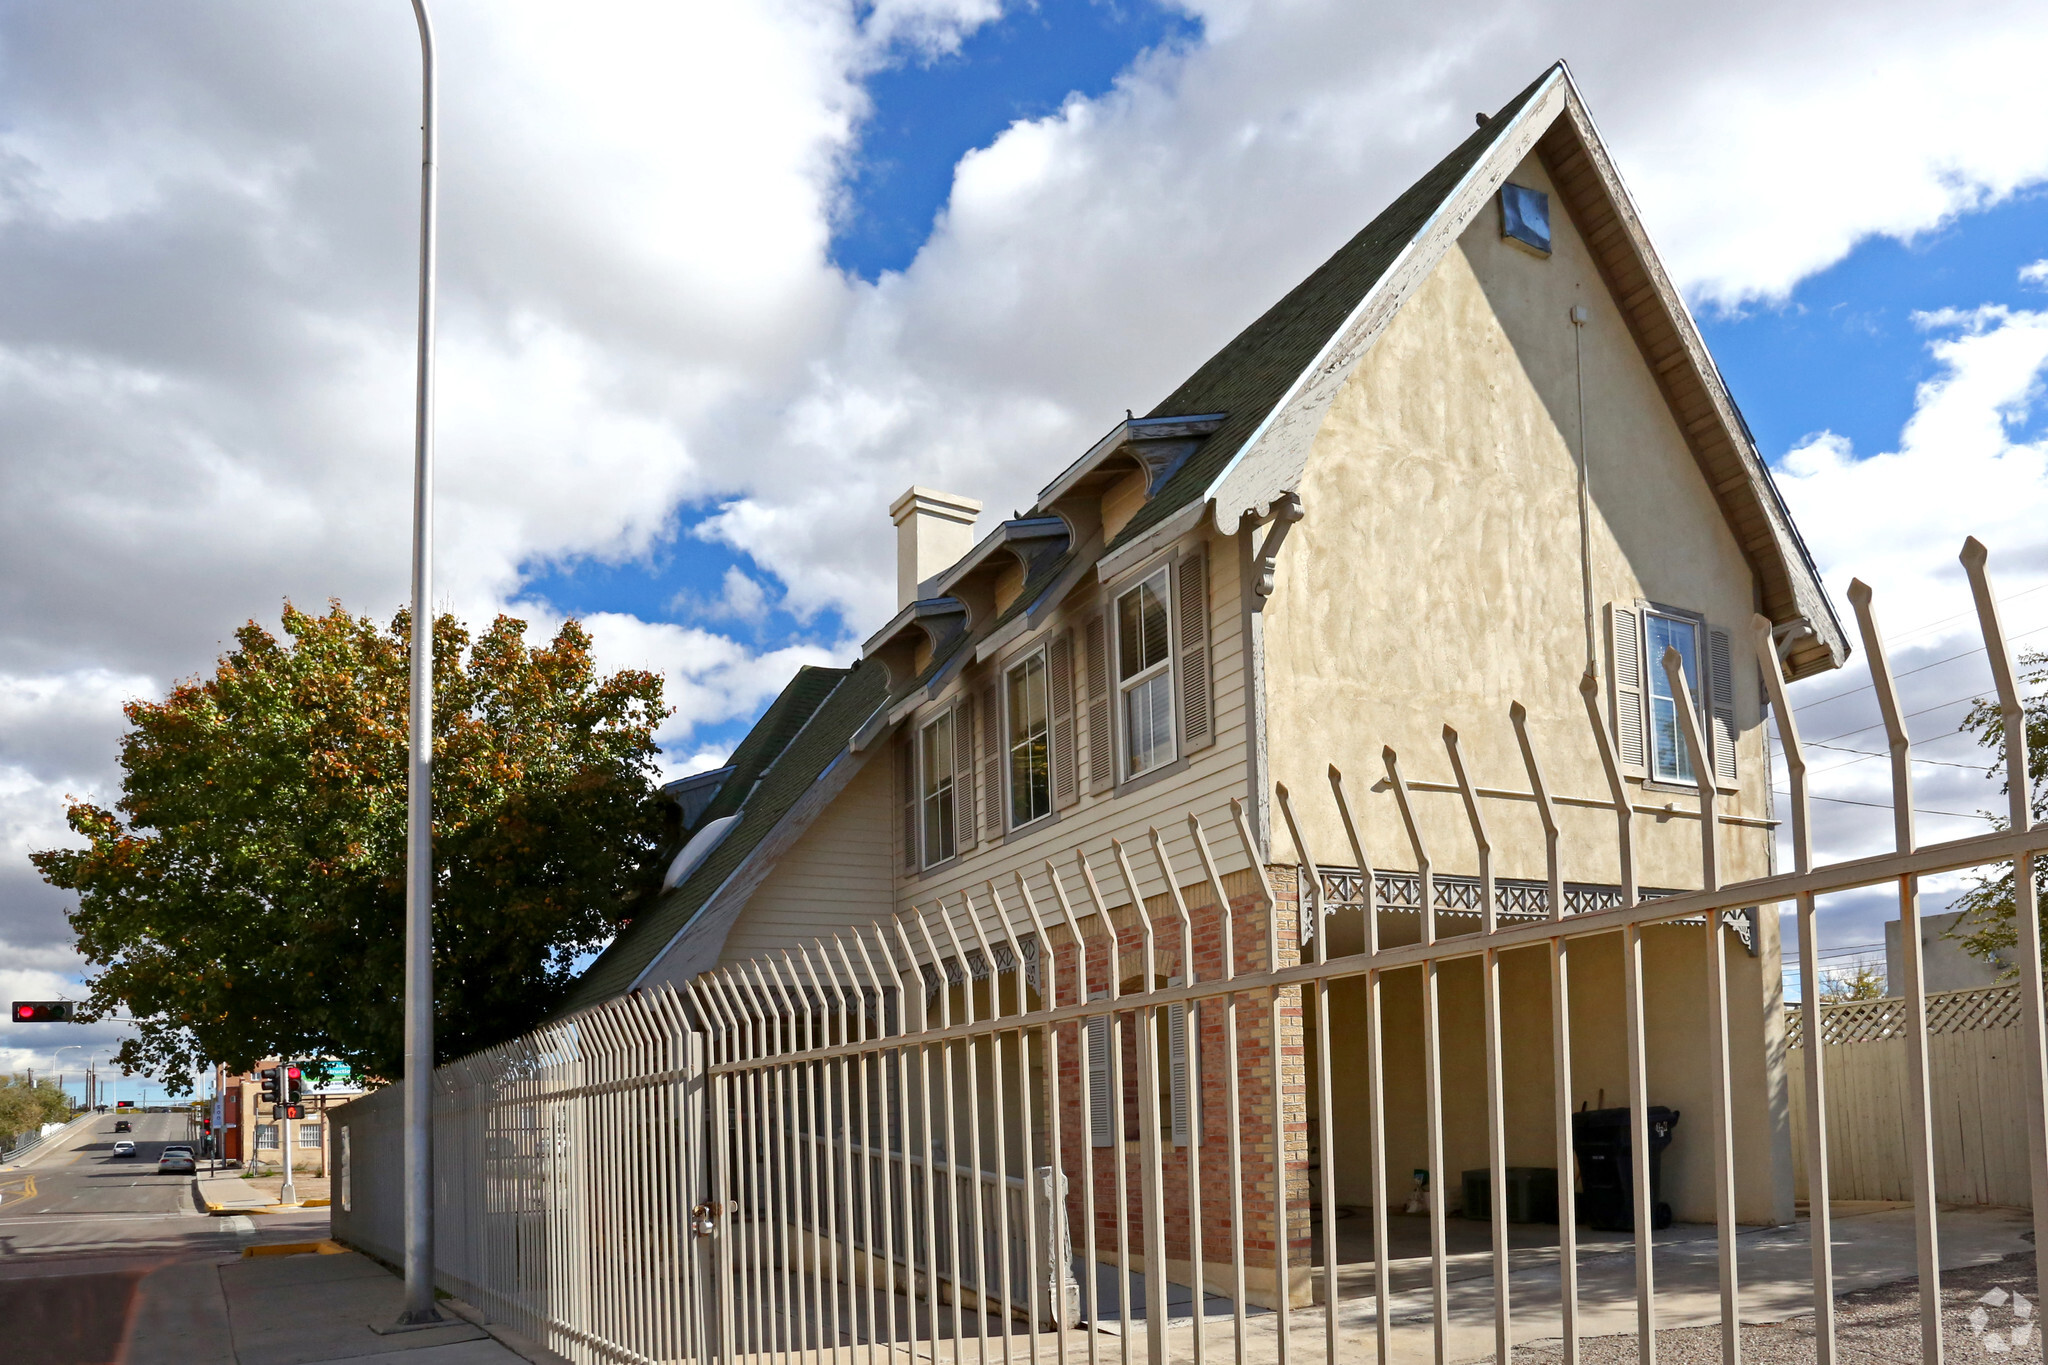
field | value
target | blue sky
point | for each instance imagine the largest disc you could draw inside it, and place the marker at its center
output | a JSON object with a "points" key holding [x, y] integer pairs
{"points": [[721, 280], [929, 112], [1843, 352]]}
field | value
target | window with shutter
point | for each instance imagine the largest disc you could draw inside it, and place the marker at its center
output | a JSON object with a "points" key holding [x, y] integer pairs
{"points": [[1144, 674], [992, 760], [938, 830], [963, 771], [1029, 739], [1625, 687], [1101, 1108], [1670, 760], [1101, 763], [1181, 1071], [1721, 704], [1066, 785], [1196, 730]]}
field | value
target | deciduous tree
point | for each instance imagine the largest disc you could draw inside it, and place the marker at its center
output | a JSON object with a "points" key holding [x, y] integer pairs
{"points": [[1988, 930], [245, 896]]}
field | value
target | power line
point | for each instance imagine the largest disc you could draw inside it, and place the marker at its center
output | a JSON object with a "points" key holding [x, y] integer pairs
{"points": [[1852, 691], [1921, 630], [1983, 768], [1880, 805], [1878, 724]]}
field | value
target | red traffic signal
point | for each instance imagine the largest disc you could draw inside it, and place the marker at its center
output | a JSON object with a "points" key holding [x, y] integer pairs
{"points": [[44, 1011]]}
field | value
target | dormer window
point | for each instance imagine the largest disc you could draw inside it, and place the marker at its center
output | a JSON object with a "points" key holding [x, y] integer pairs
{"points": [[1030, 740], [935, 790], [1144, 670]]}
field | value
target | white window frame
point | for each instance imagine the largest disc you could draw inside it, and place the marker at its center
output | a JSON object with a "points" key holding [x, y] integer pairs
{"points": [[1011, 745], [938, 795], [1162, 573], [1654, 679]]}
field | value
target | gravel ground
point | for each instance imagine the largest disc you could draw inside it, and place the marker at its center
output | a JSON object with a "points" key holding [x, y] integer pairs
{"points": [[1880, 1324]]}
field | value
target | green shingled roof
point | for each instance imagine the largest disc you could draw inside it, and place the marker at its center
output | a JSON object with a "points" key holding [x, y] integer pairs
{"points": [[810, 725], [796, 739], [1248, 377]]}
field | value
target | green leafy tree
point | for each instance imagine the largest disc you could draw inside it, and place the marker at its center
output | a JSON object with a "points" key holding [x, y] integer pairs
{"points": [[25, 1108], [245, 897], [1860, 982], [1989, 929]]}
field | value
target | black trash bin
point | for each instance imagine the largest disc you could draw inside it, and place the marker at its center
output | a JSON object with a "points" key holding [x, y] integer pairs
{"points": [[1600, 1139]]}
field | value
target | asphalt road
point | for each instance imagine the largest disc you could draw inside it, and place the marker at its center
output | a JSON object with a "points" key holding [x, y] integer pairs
{"points": [[81, 1230]]}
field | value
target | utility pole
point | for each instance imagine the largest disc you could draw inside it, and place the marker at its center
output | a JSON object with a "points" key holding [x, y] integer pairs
{"points": [[419, 1310]]}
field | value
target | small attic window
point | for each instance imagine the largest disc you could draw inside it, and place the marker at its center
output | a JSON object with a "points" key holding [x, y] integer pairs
{"points": [[1525, 217]]}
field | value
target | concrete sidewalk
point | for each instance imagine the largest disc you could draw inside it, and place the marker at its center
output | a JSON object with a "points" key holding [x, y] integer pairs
{"points": [[302, 1309]]}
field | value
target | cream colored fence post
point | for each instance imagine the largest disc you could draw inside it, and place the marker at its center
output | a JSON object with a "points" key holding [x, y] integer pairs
{"points": [[1920, 1141], [731, 1168], [1560, 1038], [2026, 913], [1432, 1064]]}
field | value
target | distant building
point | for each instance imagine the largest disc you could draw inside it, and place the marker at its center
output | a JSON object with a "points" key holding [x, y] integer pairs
{"points": [[244, 1129], [1944, 963]]}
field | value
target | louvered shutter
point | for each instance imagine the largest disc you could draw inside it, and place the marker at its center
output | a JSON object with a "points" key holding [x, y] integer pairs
{"points": [[1066, 784], [1101, 762], [1180, 1071], [1101, 1115], [1192, 665], [963, 771], [993, 797], [906, 770], [1721, 691], [1625, 693]]}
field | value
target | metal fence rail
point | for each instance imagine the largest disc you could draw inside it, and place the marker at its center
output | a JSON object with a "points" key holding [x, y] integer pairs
{"points": [[1063, 1118]]}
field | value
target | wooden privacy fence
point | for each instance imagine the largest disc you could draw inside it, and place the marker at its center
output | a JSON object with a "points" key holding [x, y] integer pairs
{"points": [[1977, 1058]]}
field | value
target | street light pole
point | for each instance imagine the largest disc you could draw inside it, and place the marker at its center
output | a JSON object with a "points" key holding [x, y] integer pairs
{"points": [[419, 807]]}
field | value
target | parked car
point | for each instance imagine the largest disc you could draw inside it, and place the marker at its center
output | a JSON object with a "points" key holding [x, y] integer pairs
{"points": [[177, 1161], [124, 1149], [123, 1126]]}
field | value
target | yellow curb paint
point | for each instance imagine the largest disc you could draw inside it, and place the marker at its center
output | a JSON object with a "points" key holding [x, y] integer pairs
{"points": [[321, 1248]]}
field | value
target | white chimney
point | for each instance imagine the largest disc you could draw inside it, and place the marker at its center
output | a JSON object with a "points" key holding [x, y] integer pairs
{"points": [[933, 530]]}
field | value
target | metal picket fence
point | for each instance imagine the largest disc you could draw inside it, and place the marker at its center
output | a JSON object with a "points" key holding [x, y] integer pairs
{"points": [[1066, 1119]]}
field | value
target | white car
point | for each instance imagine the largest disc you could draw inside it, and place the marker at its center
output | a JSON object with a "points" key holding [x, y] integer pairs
{"points": [[124, 1148], [177, 1160]]}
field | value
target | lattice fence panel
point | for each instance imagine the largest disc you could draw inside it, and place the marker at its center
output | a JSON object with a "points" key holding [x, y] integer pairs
{"points": [[1874, 1021]]}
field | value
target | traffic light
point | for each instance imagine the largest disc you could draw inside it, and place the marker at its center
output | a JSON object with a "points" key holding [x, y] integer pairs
{"points": [[293, 1084], [45, 1011], [268, 1078], [287, 1111]]}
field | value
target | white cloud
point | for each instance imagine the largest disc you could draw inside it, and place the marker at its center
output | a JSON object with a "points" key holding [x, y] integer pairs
{"points": [[2035, 273], [207, 211], [1897, 519]]}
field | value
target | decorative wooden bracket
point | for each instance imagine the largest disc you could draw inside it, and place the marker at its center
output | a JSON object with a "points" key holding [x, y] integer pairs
{"points": [[1286, 512]]}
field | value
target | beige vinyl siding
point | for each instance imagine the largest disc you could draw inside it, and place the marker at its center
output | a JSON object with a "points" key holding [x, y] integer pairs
{"points": [[1204, 782], [842, 871]]}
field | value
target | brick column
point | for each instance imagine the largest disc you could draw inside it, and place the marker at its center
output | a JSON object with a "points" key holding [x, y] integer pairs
{"points": [[1271, 1083]]}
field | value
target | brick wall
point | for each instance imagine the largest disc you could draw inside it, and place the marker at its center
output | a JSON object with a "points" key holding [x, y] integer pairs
{"points": [[1270, 1072]]}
